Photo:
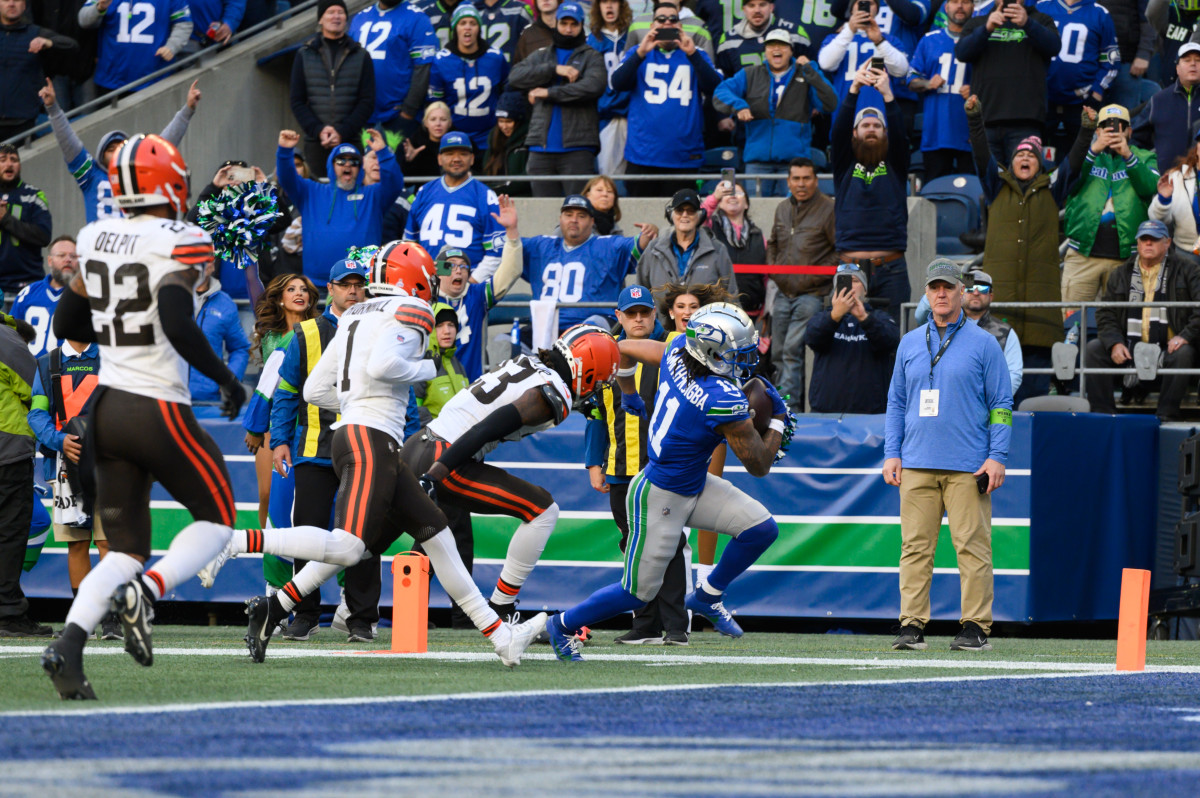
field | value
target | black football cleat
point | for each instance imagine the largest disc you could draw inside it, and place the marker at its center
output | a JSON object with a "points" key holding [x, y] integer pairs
{"points": [[134, 607], [265, 614], [63, 663]]}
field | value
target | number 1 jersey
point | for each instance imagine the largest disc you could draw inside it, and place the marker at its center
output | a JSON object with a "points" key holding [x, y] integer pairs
{"points": [[122, 263]]}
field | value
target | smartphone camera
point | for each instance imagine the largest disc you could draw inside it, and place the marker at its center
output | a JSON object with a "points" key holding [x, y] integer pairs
{"points": [[667, 35], [863, 5], [877, 64], [728, 175], [241, 174]]}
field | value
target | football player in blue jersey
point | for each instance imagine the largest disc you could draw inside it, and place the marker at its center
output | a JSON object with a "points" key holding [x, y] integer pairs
{"points": [[945, 83], [580, 266], [402, 45], [1084, 68], [698, 406], [36, 302], [468, 77], [136, 38], [667, 73], [860, 40], [473, 300], [457, 210], [91, 174]]}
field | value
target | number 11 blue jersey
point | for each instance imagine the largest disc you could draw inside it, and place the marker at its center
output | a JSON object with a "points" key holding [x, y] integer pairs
{"points": [[683, 429]]}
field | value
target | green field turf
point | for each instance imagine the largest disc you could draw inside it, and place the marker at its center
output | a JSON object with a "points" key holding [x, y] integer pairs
{"points": [[196, 665]]}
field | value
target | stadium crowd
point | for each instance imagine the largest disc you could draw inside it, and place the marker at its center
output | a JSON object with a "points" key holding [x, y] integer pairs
{"points": [[1076, 108]]}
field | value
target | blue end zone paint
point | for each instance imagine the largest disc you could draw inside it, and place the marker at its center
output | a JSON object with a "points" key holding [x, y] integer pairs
{"points": [[1095, 736]]}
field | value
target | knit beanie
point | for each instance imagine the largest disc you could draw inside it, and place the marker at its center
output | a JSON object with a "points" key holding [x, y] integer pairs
{"points": [[325, 5]]}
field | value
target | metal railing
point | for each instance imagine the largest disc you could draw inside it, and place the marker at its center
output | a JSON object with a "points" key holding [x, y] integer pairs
{"points": [[178, 64], [1081, 370]]}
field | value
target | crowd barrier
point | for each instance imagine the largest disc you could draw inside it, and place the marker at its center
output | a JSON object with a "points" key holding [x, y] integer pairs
{"points": [[1065, 522]]}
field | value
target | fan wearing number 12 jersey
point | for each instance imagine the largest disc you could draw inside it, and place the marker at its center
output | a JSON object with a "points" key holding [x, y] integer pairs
{"points": [[133, 295], [132, 32]]}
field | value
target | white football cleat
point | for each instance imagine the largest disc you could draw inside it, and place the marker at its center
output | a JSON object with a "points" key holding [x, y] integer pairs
{"points": [[208, 574], [522, 635]]}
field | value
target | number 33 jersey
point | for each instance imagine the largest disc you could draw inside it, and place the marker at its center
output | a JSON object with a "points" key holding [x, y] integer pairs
{"points": [[498, 388], [122, 263]]}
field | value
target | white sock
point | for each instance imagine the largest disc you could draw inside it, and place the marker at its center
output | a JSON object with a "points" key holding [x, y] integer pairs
{"points": [[314, 543], [702, 572], [527, 544], [91, 602], [309, 578], [192, 549], [443, 556]]}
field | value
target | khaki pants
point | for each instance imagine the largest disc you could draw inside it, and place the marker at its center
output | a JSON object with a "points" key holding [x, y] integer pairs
{"points": [[925, 495], [1084, 277]]}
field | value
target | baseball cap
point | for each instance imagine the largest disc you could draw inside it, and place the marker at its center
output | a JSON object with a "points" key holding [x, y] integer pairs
{"points": [[1153, 228], [778, 35], [685, 196], [1113, 111], [463, 10], [945, 270], [1190, 47], [443, 267], [571, 10], [635, 296], [346, 150], [349, 268], [855, 272], [454, 141], [979, 277], [576, 201], [870, 110]]}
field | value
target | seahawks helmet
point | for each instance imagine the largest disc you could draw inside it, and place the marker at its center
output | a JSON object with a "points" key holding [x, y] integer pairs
{"points": [[722, 337]]}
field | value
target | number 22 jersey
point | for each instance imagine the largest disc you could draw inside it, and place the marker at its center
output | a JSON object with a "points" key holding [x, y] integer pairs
{"points": [[122, 263]]}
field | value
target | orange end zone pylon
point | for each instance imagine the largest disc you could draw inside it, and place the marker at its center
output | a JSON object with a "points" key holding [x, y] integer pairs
{"points": [[410, 603], [1131, 623]]}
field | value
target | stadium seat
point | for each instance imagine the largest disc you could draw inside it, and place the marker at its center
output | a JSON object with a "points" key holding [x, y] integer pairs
{"points": [[820, 161], [956, 198], [825, 184], [719, 158], [1055, 404]]}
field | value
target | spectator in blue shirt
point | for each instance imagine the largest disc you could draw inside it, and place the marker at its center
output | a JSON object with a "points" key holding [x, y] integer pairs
{"points": [[217, 318], [136, 39], [402, 46], [37, 301], [215, 21], [563, 83], [468, 77], [944, 83]]}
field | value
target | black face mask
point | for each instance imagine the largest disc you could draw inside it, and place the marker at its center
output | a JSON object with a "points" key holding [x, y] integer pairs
{"points": [[568, 42]]}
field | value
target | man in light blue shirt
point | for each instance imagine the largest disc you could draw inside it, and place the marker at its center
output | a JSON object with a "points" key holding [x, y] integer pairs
{"points": [[949, 423]]}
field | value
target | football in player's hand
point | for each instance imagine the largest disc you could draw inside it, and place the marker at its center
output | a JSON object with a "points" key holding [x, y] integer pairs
{"points": [[760, 404]]}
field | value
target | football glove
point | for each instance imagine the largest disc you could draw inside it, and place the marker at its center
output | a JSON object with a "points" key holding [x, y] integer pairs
{"points": [[778, 406], [233, 396], [633, 405]]}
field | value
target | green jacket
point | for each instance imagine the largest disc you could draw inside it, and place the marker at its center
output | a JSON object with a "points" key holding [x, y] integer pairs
{"points": [[1133, 183], [17, 367], [449, 380]]}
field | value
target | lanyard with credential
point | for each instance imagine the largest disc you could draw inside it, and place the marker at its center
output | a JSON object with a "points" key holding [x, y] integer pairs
{"points": [[933, 359]]}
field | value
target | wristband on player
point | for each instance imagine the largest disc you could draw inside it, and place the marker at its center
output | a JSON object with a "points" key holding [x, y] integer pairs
{"points": [[777, 425], [629, 372]]}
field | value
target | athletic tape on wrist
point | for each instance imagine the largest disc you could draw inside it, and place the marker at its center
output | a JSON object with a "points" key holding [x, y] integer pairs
{"points": [[776, 425], [629, 372]]}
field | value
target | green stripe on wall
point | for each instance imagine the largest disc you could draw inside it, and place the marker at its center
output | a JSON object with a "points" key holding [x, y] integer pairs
{"points": [[590, 540]]}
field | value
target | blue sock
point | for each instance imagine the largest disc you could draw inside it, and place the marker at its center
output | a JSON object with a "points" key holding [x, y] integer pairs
{"points": [[600, 606], [740, 553]]}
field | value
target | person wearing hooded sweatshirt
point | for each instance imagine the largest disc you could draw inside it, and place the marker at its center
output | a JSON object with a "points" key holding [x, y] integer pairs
{"points": [[25, 225], [468, 77], [91, 174], [342, 213], [507, 152], [217, 318]]}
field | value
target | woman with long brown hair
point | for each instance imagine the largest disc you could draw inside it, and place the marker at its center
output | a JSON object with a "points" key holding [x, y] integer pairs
{"points": [[677, 302], [288, 300]]}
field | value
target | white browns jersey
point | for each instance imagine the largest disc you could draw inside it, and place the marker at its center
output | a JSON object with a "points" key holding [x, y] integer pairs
{"points": [[498, 388], [122, 263], [378, 351]]}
